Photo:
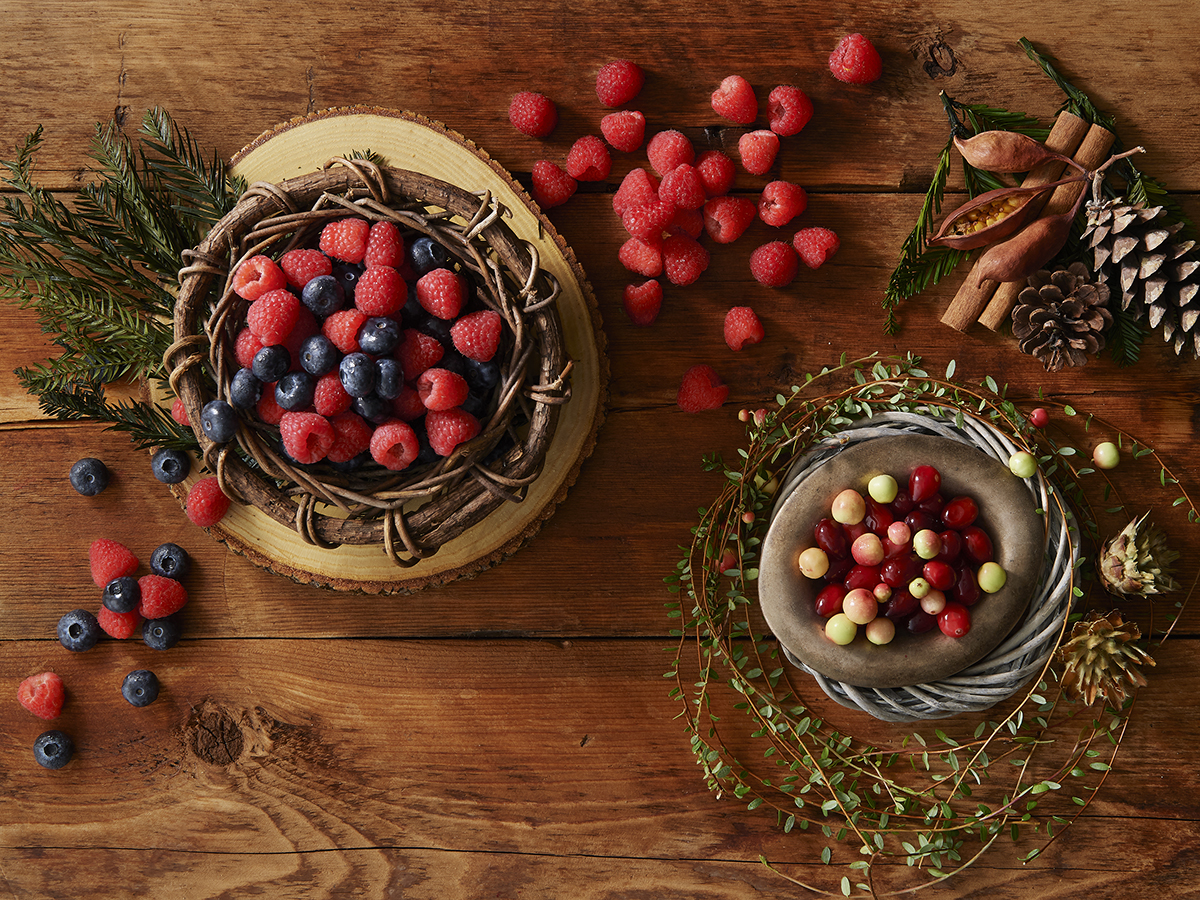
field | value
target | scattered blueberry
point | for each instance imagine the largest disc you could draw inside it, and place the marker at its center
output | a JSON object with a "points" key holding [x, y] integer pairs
{"points": [[170, 466], [373, 408], [436, 328], [171, 561], [218, 421], [379, 335], [271, 363], [475, 405], [245, 389], [89, 476], [122, 595], [140, 687], [78, 630], [164, 633], [357, 372], [53, 749], [389, 378], [295, 390], [481, 376], [346, 275], [424, 253], [318, 355], [454, 361], [326, 294]]}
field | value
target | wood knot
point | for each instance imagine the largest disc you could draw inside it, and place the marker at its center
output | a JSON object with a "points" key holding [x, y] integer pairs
{"points": [[942, 63], [214, 734]]}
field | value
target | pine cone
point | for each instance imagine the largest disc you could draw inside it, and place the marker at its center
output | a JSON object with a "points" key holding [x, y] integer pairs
{"points": [[1101, 659], [1133, 246], [1137, 561], [1061, 317]]}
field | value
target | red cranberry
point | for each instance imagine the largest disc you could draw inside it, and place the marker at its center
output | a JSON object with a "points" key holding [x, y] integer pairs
{"points": [[831, 538], [959, 513], [878, 516], [903, 504], [954, 620], [862, 577], [939, 574], [924, 482], [977, 546], [898, 571], [919, 520], [920, 622], [901, 604], [951, 546], [829, 600], [838, 568], [966, 589], [932, 505]]}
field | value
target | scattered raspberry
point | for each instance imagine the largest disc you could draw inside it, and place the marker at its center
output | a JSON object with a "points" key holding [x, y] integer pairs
{"points": [[273, 316], [244, 347], [109, 560], [417, 351], [742, 327], [267, 408], [408, 406], [774, 264], [394, 445], [815, 245], [306, 326], [669, 149], [206, 506], [734, 100], [477, 335], [684, 259], [649, 221], [161, 596], [687, 221], [757, 150], [351, 436], [780, 202], [701, 389], [588, 159], [855, 60], [441, 389], [727, 218], [306, 436], [118, 625], [533, 114], [716, 171], [342, 328], [624, 130], [385, 245], [643, 301], [442, 293], [346, 239], [179, 411], [329, 396], [642, 256], [449, 428], [256, 276], [788, 110], [380, 291], [618, 82], [637, 188], [551, 185], [303, 265], [683, 187], [43, 695]]}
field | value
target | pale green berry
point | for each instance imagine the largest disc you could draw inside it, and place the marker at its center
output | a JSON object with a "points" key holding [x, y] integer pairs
{"points": [[927, 543], [991, 577], [840, 629], [883, 488], [860, 606], [880, 630], [1106, 455], [848, 508], [1022, 464], [814, 562]]}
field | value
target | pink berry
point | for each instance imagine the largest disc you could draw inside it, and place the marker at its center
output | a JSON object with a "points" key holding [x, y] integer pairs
{"points": [[618, 82], [774, 264], [788, 110], [533, 114], [855, 60], [734, 100]]}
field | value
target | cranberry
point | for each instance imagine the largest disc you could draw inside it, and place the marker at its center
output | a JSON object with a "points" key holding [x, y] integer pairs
{"points": [[939, 574], [919, 520], [977, 546], [838, 567], [903, 504], [954, 620], [1039, 418], [924, 482], [862, 577], [966, 589], [901, 604], [951, 546], [829, 600], [959, 513], [878, 517], [932, 505], [920, 622], [831, 538], [897, 571], [855, 531]]}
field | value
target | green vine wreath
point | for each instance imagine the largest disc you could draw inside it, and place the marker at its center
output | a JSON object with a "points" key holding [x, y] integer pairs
{"points": [[935, 803]]}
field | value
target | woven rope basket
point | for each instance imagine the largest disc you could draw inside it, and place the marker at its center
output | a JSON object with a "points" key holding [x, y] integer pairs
{"points": [[1024, 652], [410, 514]]}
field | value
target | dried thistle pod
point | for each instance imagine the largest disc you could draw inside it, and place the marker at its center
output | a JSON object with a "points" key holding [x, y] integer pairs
{"points": [[1005, 152], [992, 216]]}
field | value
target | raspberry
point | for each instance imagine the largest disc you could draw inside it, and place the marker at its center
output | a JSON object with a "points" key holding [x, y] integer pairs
{"points": [[643, 301], [669, 149], [329, 396], [417, 351], [588, 159], [637, 188], [394, 445], [346, 239], [684, 259], [268, 409], [742, 327], [351, 436], [727, 218], [441, 389], [780, 202], [477, 335], [342, 329], [701, 389], [245, 346], [408, 406], [109, 560], [532, 113], [687, 221], [206, 506], [303, 265], [43, 695], [757, 150], [551, 185], [449, 428], [179, 411], [642, 256], [306, 326], [385, 245], [734, 100], [161, 596], [774, 264], [442, 293], [683, 187], [256, 276], [648, 221], [618, 82], [788, 110], [815, 245], [716, 171], [380, 291], [118, 625], [306, 436], [624, 130], [855, 60], [272, 316]]}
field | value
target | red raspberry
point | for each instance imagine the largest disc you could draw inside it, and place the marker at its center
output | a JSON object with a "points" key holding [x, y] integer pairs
{"points": [[394, 445], [780, 202], [442, 293], [306, 436], [774, 264], [417, 351], [380, 291], [303, 265], [43, 695], [687, 221], [346, 239], [256, 276], [351, 436], [551, 185], [716, 171], [649, 221], [727, 218], [306, 326], [267, 409], [788, 110], [477, 335], [408, 406], [385, 245], [624, 130], [329, 396], [757, 150], [161, 596], [642, 256], [815, 245], [637, 188], [588, 159], [206, 505], [118, 625], [683, 187], [669, 149], [342, 328], [449, 428], [855, 60], [742, 327], [734, 100], [245, 346], [643, 301], [684, 259], [273, 316], [109, 560], [618, 82], [701, 389], [179, 411], [533, 114], [441, 389]]}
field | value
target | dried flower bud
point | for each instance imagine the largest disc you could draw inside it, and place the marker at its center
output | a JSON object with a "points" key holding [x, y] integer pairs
{"points": [[1006, 152]]}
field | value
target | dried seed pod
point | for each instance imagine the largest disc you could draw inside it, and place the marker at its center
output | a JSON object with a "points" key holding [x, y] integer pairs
{"points": [[992, 216], [1006, 152], [1022, 255]]}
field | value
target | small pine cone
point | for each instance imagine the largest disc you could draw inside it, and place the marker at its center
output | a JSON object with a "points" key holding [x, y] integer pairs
{"points": [[1061, 317]]}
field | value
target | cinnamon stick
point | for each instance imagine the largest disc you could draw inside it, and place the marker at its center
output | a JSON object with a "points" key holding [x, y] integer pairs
{"points": [[972, 298]]}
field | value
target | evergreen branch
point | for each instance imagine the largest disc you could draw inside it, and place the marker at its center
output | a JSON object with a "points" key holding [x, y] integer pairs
{"points": [[1125, 337], [205, 188], [1077, 103]]}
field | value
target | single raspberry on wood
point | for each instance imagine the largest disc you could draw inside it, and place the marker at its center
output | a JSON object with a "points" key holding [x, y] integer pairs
{"points": [[110, 559], [385, 245], [669, 149], [477, 335], [306, 436], [855, 60], [346, 239], [815, 245], [256, 276], [683, 187], [304, 264], [642, 256], [43, 695], [273, 316], [701, 389], [788, 110], [206, 505], [637, 188], [624, 130], [417, 351], [774, 264], [742, 327], [684, 259], [551, 185], [118, 626], [161, 596], [351, 436], [441, 389], [717, 171], [780, 202], [532, 113], [757, 150], [588, 159], [618, 82], [449, 428], [380, 291], [394, 445], [643, 302], [727, 218], [734, 100], [442, 293]]}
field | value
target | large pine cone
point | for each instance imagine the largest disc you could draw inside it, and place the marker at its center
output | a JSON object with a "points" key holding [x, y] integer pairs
{"points": [[1061, 317]]}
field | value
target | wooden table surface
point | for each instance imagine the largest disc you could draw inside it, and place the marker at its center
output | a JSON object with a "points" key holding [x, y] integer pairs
{"points": [[512, 736]]}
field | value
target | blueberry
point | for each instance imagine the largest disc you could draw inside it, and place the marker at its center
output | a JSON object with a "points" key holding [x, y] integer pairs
{"points": [[373, 408], [475, 405], [481, 377], [53, 749], [122, 595], [389, 378], [164, 633], [357, 372], [218, 421], [295, 390], [245, 389], [379, 335], [412, 311], [170, 466], [453, 361], [425, 453], [140, 687], [170, 560], [346, 274], [318, 355], [326, 294], [78, 630], [424, 253], [436, 328], [271, 363], [89, 476]]}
